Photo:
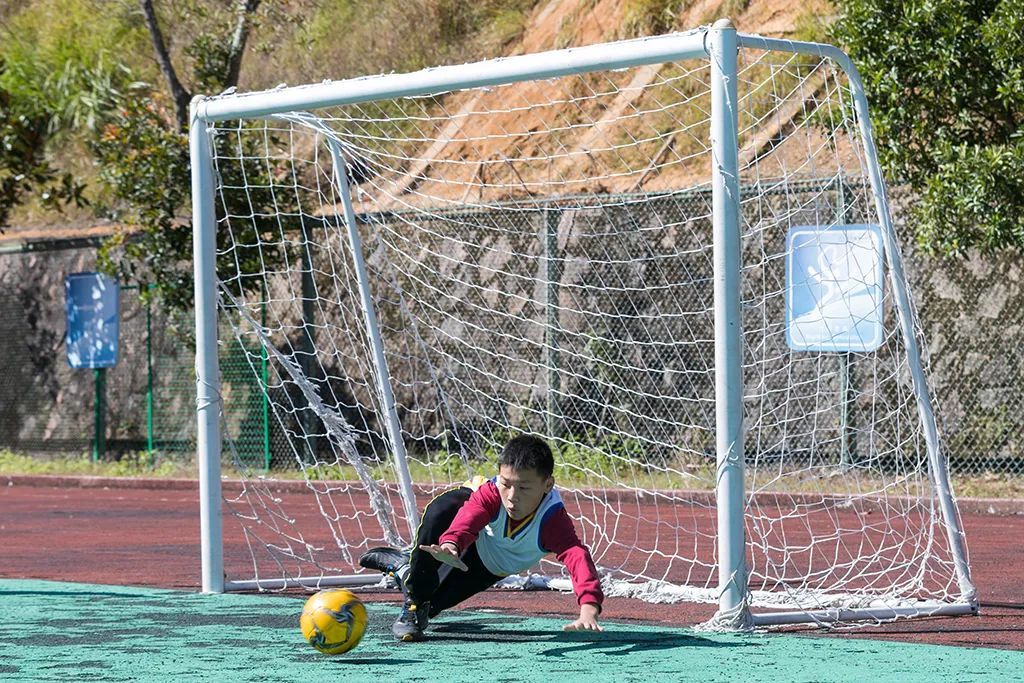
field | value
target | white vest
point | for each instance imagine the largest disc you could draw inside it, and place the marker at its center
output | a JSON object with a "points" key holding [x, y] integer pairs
{"points": [[504, 556]]}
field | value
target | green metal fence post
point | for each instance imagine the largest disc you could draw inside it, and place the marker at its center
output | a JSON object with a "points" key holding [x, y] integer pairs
{"points": [[552, 274], [149, 377], [847, 382], [307, 343], [99, 443]]}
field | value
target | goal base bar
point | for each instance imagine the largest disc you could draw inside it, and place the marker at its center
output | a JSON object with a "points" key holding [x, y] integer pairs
{"points": [[309, 582], [861, 614]]}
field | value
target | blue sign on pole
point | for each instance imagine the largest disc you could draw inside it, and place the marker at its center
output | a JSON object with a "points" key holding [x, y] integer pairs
{"points": [[93, 311], [834, 288]]}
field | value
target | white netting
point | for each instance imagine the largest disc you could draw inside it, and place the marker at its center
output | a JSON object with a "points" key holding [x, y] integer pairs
{"points": [[540, 260]]}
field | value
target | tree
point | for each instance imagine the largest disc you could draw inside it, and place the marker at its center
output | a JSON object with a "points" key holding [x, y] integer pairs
{"points": [[945, 79], [219, 61], [143, 153], [24, 171], [60, 67]]}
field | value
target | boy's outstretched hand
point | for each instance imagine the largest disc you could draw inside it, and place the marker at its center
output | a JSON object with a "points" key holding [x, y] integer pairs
{"points": [[587, 620], [446, 553]]}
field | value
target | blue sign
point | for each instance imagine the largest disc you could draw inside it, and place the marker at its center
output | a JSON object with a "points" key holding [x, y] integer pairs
{"points": [[93, 311], [834, 288]]}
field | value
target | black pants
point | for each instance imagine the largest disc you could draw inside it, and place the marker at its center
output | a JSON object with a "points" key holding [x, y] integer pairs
{"points": [[435, 582]]}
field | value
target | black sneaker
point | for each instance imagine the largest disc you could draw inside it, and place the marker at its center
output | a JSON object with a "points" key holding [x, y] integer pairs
{"points": [[411, 623], [392, 562], [384, 559]]}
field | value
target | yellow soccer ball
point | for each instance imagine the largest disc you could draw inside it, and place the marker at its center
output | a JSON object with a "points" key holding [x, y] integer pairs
{"points": [[333, 621]]}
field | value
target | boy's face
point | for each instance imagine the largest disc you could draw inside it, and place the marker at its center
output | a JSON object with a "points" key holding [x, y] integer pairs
{"points": [[522, 490]]}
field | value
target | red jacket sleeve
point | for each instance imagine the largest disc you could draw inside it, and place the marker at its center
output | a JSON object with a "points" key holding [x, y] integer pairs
{"points": [[558, 535], [476, 513]]}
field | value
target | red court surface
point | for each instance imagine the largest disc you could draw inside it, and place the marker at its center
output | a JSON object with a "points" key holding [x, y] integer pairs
{"points": [[150, 537]]}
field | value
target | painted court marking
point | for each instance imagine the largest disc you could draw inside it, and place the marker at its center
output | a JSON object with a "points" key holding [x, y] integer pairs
{"points": [[53, 631]]}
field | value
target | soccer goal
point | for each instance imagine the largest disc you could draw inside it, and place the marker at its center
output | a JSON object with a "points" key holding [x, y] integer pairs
{"points": [[672, 257]]}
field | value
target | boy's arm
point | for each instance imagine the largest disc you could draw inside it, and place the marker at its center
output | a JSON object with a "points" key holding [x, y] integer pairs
{"points": [[477, 512], [558, 535]]}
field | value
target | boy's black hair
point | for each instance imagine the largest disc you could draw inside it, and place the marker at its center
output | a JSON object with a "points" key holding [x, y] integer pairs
{"points": [[528, 452]]}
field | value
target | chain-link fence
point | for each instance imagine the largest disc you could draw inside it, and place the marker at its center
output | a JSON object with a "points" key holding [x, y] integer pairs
{"points": [[48, 407], [970, 311]]}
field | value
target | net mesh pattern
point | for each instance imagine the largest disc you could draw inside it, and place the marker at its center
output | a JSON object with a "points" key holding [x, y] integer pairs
{"points": [[540, 260]]}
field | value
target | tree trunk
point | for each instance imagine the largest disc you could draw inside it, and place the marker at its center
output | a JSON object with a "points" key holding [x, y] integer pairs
{"points": [[245, 9], [178, 92]]}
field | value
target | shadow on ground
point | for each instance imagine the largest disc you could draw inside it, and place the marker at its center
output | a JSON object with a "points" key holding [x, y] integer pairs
{"points": [[615, 642]]}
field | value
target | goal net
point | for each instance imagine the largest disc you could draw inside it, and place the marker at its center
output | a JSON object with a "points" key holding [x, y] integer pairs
{"points": [[417, 267]]}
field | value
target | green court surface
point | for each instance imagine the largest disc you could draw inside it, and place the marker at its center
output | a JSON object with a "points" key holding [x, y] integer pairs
{"points": [[76, 632]]}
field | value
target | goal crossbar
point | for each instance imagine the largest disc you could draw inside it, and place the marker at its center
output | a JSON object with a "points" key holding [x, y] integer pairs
{"points": [[608, 56]]}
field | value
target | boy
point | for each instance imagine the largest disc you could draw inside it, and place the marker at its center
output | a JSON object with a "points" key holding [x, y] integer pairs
{"points": [[486, 530]]}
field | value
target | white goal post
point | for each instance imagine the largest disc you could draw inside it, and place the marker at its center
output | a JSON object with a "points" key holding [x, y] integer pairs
{"points": [[589, 244]]}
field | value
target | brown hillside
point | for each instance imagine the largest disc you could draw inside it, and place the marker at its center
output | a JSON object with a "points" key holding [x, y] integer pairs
{"points": [[642, 129], [568, 136]]}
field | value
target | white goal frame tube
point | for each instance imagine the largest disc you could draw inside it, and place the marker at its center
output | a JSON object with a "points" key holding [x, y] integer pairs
{"points": [[387, 395], [310, 582], [725, 188], [937, 465], [832, 616], [722, 42], [552, 64], [208, 402]]}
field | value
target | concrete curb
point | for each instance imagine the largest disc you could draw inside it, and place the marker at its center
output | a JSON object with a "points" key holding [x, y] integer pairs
{"points": [[156, 484]]}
